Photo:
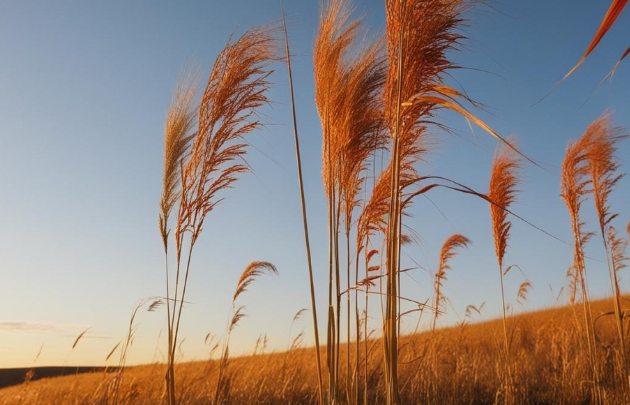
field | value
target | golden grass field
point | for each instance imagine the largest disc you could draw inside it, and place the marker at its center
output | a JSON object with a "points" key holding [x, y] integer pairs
{"points": [[456, 365]]}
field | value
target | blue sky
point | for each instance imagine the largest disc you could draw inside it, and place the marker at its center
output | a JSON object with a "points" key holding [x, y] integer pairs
{"points": [[84, 88]]}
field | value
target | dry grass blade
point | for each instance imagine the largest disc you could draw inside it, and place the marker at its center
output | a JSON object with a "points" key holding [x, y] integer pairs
{"points": [[615, 9], [253, 270], [113, 351], [76, 341], [614, 69], [439, 102]]}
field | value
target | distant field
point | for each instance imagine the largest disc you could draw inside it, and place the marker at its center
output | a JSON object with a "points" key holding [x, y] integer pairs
{"points": [[15, 376], [457, 365]]}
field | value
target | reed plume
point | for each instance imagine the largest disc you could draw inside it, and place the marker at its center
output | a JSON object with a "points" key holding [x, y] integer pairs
{"points": [[503, 182], [502, 192], [236, 88], [603, 166], [208, 163], [180, 120], [449, 250]]}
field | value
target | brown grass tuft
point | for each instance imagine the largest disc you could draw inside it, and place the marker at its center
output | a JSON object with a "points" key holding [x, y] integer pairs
{"points": [[446, 254], [253, 270]]}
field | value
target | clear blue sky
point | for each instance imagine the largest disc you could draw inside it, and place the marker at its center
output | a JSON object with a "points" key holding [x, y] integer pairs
{"points": [[84, 88]]}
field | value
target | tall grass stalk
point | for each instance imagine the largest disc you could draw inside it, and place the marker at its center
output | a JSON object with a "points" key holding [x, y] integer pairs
{"points": [[335, 37], [502, 192], [304, 216], [574, 189], [603, 167]]}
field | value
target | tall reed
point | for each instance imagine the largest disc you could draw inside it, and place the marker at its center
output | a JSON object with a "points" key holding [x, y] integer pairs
{"points": [[298, 158], [603, 168], [502, 192], [361, 133], [574, 189], [335, 37], [197, 169], [179, 123], [419, 34]]}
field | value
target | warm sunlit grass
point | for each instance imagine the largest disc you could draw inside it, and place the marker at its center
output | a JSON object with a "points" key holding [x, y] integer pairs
{"points": [[457, 365]]}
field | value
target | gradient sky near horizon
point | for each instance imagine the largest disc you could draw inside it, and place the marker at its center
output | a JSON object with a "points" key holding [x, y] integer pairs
{"points": [[84, 88]]}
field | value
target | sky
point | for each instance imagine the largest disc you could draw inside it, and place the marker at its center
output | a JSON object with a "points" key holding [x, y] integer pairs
{"points": [[84, 90]]}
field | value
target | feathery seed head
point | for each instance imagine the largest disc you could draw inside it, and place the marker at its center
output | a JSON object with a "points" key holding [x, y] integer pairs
{"points": [[503, 182]]}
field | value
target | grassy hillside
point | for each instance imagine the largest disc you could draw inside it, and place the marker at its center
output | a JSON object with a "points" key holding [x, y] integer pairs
{"points": [[458, 365]]}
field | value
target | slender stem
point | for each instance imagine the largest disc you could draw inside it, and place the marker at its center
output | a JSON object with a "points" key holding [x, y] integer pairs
{"points": [[614, 284], [181, 304], [170, 331], [304, 216], [586, 305], [507, 380], [348, 379], [337, 287]]}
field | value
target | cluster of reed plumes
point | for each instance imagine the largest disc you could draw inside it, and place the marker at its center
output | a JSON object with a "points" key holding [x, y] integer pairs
{"points": [[590, 167], [381, 99], [200, 164]]}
